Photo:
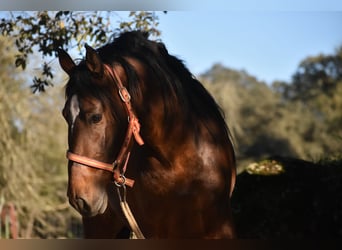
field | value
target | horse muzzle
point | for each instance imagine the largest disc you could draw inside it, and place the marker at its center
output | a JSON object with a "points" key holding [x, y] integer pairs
{"points": [[86, 207]]}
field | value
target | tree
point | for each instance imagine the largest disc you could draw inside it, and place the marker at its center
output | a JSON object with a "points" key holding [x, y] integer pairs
{"points": [[252, 110], [46, 31], [315, 75], [33, 173], [317, 84], [265, 123]]}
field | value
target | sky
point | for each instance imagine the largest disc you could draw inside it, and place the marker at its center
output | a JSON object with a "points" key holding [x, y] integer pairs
{"points": [[310, 5], [266, 38], [267, 44]]}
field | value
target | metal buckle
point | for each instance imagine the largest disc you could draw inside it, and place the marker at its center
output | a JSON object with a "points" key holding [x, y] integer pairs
{"points": [[124, 94], [122, 183]]}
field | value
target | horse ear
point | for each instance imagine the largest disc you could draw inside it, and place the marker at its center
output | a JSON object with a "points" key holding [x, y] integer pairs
{"points": [[93, 61], [65, 61]]}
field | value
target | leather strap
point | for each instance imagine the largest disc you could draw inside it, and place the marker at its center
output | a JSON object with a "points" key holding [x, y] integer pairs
{"points": [[99, 165], [118, 168], [89, 162]]}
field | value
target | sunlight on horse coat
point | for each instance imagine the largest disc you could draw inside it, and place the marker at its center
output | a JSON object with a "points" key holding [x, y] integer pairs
{"points": [[183, 174]]}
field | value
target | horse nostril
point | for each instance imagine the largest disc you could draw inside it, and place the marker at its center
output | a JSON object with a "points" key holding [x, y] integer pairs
{"points": [[80, 205]]}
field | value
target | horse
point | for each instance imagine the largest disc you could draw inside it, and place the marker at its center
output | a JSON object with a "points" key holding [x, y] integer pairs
{"points": [[149, 149]]}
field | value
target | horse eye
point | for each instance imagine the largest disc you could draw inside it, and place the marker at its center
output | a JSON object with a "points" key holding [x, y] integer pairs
{"points": [[96, 118]]}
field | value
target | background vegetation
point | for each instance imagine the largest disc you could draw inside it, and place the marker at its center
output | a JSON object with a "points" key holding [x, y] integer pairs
{"points": [[301, 118], [297, 119]]}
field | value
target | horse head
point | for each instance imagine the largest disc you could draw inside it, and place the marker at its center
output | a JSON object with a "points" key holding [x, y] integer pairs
{"points": [[94, 130]]}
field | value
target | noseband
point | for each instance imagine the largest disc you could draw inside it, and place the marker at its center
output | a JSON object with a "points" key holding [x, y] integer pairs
{"points": [[118, 168]]}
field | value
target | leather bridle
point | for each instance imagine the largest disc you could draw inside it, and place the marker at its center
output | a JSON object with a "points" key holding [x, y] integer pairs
{"points": [[118, 168]]}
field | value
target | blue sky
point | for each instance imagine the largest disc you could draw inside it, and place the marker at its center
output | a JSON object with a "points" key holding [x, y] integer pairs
{"points": [[311, 5], [266, 41], [267, 44]]}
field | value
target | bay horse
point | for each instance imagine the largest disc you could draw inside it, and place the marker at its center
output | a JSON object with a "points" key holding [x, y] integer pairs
{"points": [[138, 118]]}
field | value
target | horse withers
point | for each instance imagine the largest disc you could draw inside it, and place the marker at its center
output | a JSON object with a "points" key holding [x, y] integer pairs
{"points": [[142, 129]]}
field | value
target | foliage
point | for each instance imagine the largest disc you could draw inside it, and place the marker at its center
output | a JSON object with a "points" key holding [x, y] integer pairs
{"points": [[46, 31], [265, 167], [252, 111], [316, 75], [305, 201], [282, 119], [300, 118], [317, 84], [33, 175]]}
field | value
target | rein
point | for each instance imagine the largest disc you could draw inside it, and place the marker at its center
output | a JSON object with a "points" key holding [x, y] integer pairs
{"points": [[118, 167]]}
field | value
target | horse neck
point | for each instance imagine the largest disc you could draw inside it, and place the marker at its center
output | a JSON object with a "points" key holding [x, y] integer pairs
{"points": [[158, 123]]}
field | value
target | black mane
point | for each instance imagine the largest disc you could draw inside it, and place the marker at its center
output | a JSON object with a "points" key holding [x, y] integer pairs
{"points": [[178, 86]]}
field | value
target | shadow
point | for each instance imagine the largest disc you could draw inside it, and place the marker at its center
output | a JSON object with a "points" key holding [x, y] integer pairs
{"points": [[303, 202]]}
